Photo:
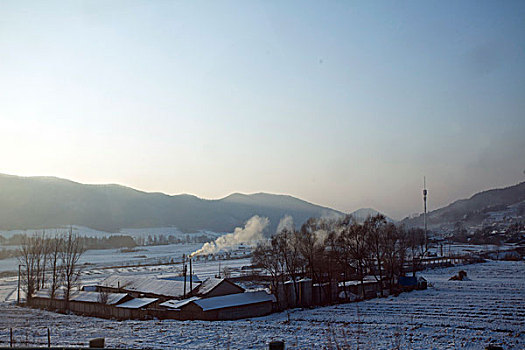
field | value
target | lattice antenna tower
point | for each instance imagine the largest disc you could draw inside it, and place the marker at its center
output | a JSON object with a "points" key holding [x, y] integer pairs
{"points": [[425, 193]]}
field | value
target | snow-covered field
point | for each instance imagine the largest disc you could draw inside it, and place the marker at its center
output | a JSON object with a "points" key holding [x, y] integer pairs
{"points": [[490, 307], [97, 258], [89, 232]]}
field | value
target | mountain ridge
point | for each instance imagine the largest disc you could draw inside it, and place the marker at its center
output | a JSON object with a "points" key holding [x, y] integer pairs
{"points": [[472, 210], [42, 201]]}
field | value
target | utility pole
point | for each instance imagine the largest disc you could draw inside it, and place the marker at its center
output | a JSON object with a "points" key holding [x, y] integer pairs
{"points": [[18, 288], [185, 272], [191, 278]]}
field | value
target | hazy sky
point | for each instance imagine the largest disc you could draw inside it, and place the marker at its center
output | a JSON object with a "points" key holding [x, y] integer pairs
{"points": [[347, 104]]}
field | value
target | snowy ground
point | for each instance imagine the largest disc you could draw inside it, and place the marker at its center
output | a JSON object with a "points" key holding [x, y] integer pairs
{"points": [[88, 232], [97, 258], [490, 307]]}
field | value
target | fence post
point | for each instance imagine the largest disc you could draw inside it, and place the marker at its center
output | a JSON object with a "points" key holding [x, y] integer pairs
{"points": [[10, 337], [48, 339]]}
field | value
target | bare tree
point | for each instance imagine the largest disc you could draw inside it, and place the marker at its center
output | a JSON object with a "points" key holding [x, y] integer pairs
{"points": [[267, 256], [416, 246], [356, 240], [69, 256], [27, 260], [55, 248], [394, 252], [374, 229], [103, 295], [287, 242], [33, 258]]}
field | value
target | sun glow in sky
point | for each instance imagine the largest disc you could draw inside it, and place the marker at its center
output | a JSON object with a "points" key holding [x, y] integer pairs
{"points": [[344, 104]]}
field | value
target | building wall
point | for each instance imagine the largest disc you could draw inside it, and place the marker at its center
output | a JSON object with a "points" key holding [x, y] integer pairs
{"points": [[194, 312], [189, 312], [245, 311], [91, 309]]}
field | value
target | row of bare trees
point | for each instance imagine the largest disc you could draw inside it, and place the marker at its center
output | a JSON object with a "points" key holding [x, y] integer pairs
{"points": [[328, 250], [50, 262]]}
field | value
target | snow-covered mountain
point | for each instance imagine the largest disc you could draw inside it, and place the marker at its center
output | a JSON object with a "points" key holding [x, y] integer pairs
{"points": [[47, 202], [361, 214]]}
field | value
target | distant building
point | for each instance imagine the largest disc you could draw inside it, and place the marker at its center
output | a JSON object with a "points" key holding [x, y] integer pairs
{"points": [[225, 307]]}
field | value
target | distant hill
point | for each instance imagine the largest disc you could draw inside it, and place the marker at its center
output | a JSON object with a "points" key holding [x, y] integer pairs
{"points": [[361, 214], [474, 210], [49, 202]]}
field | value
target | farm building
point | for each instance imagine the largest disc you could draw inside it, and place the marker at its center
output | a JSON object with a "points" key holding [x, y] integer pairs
{"points": [[167, 289], [140, 286], [137, 308], [225, 307], [295, 295], [324, 293], [408, 283], [214, 287], [83, 303], [353, 290], [132, 297]]}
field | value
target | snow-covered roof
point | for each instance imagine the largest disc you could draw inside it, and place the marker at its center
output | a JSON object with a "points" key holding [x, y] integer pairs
{"points": [[147, 285], [355, 283], [87, 297], [137, 303], [194, 278], [95, 297], [210, 284], [177, 304], [232, 300]]}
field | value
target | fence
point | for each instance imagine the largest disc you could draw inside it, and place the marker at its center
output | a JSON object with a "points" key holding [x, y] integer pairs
{"points": [[25, 337]]}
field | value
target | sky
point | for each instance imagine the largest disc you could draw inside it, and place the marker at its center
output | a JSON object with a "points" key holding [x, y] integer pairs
{"points": [[345, 104]]}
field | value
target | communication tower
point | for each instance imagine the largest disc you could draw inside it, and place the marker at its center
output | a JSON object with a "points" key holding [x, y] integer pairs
{"points": [[425, 192]]}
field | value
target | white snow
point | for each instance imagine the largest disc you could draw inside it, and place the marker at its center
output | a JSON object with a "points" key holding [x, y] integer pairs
{"points": [[88, 297], [177, 304], [237, 299], [137, 303], [147, 285], [490, 308]]}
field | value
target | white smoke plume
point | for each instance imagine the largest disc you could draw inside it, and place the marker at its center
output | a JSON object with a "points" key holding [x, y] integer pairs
{"points": [[320, 236], [285, 223], [251, 233]]}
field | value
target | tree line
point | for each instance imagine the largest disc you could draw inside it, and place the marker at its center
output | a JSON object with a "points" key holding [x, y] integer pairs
{"points": [[335, 250], [50, 262]]}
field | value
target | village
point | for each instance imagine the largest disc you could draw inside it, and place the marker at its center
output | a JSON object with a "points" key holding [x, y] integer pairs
{"points": [[143, 297], [323, 266]]}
